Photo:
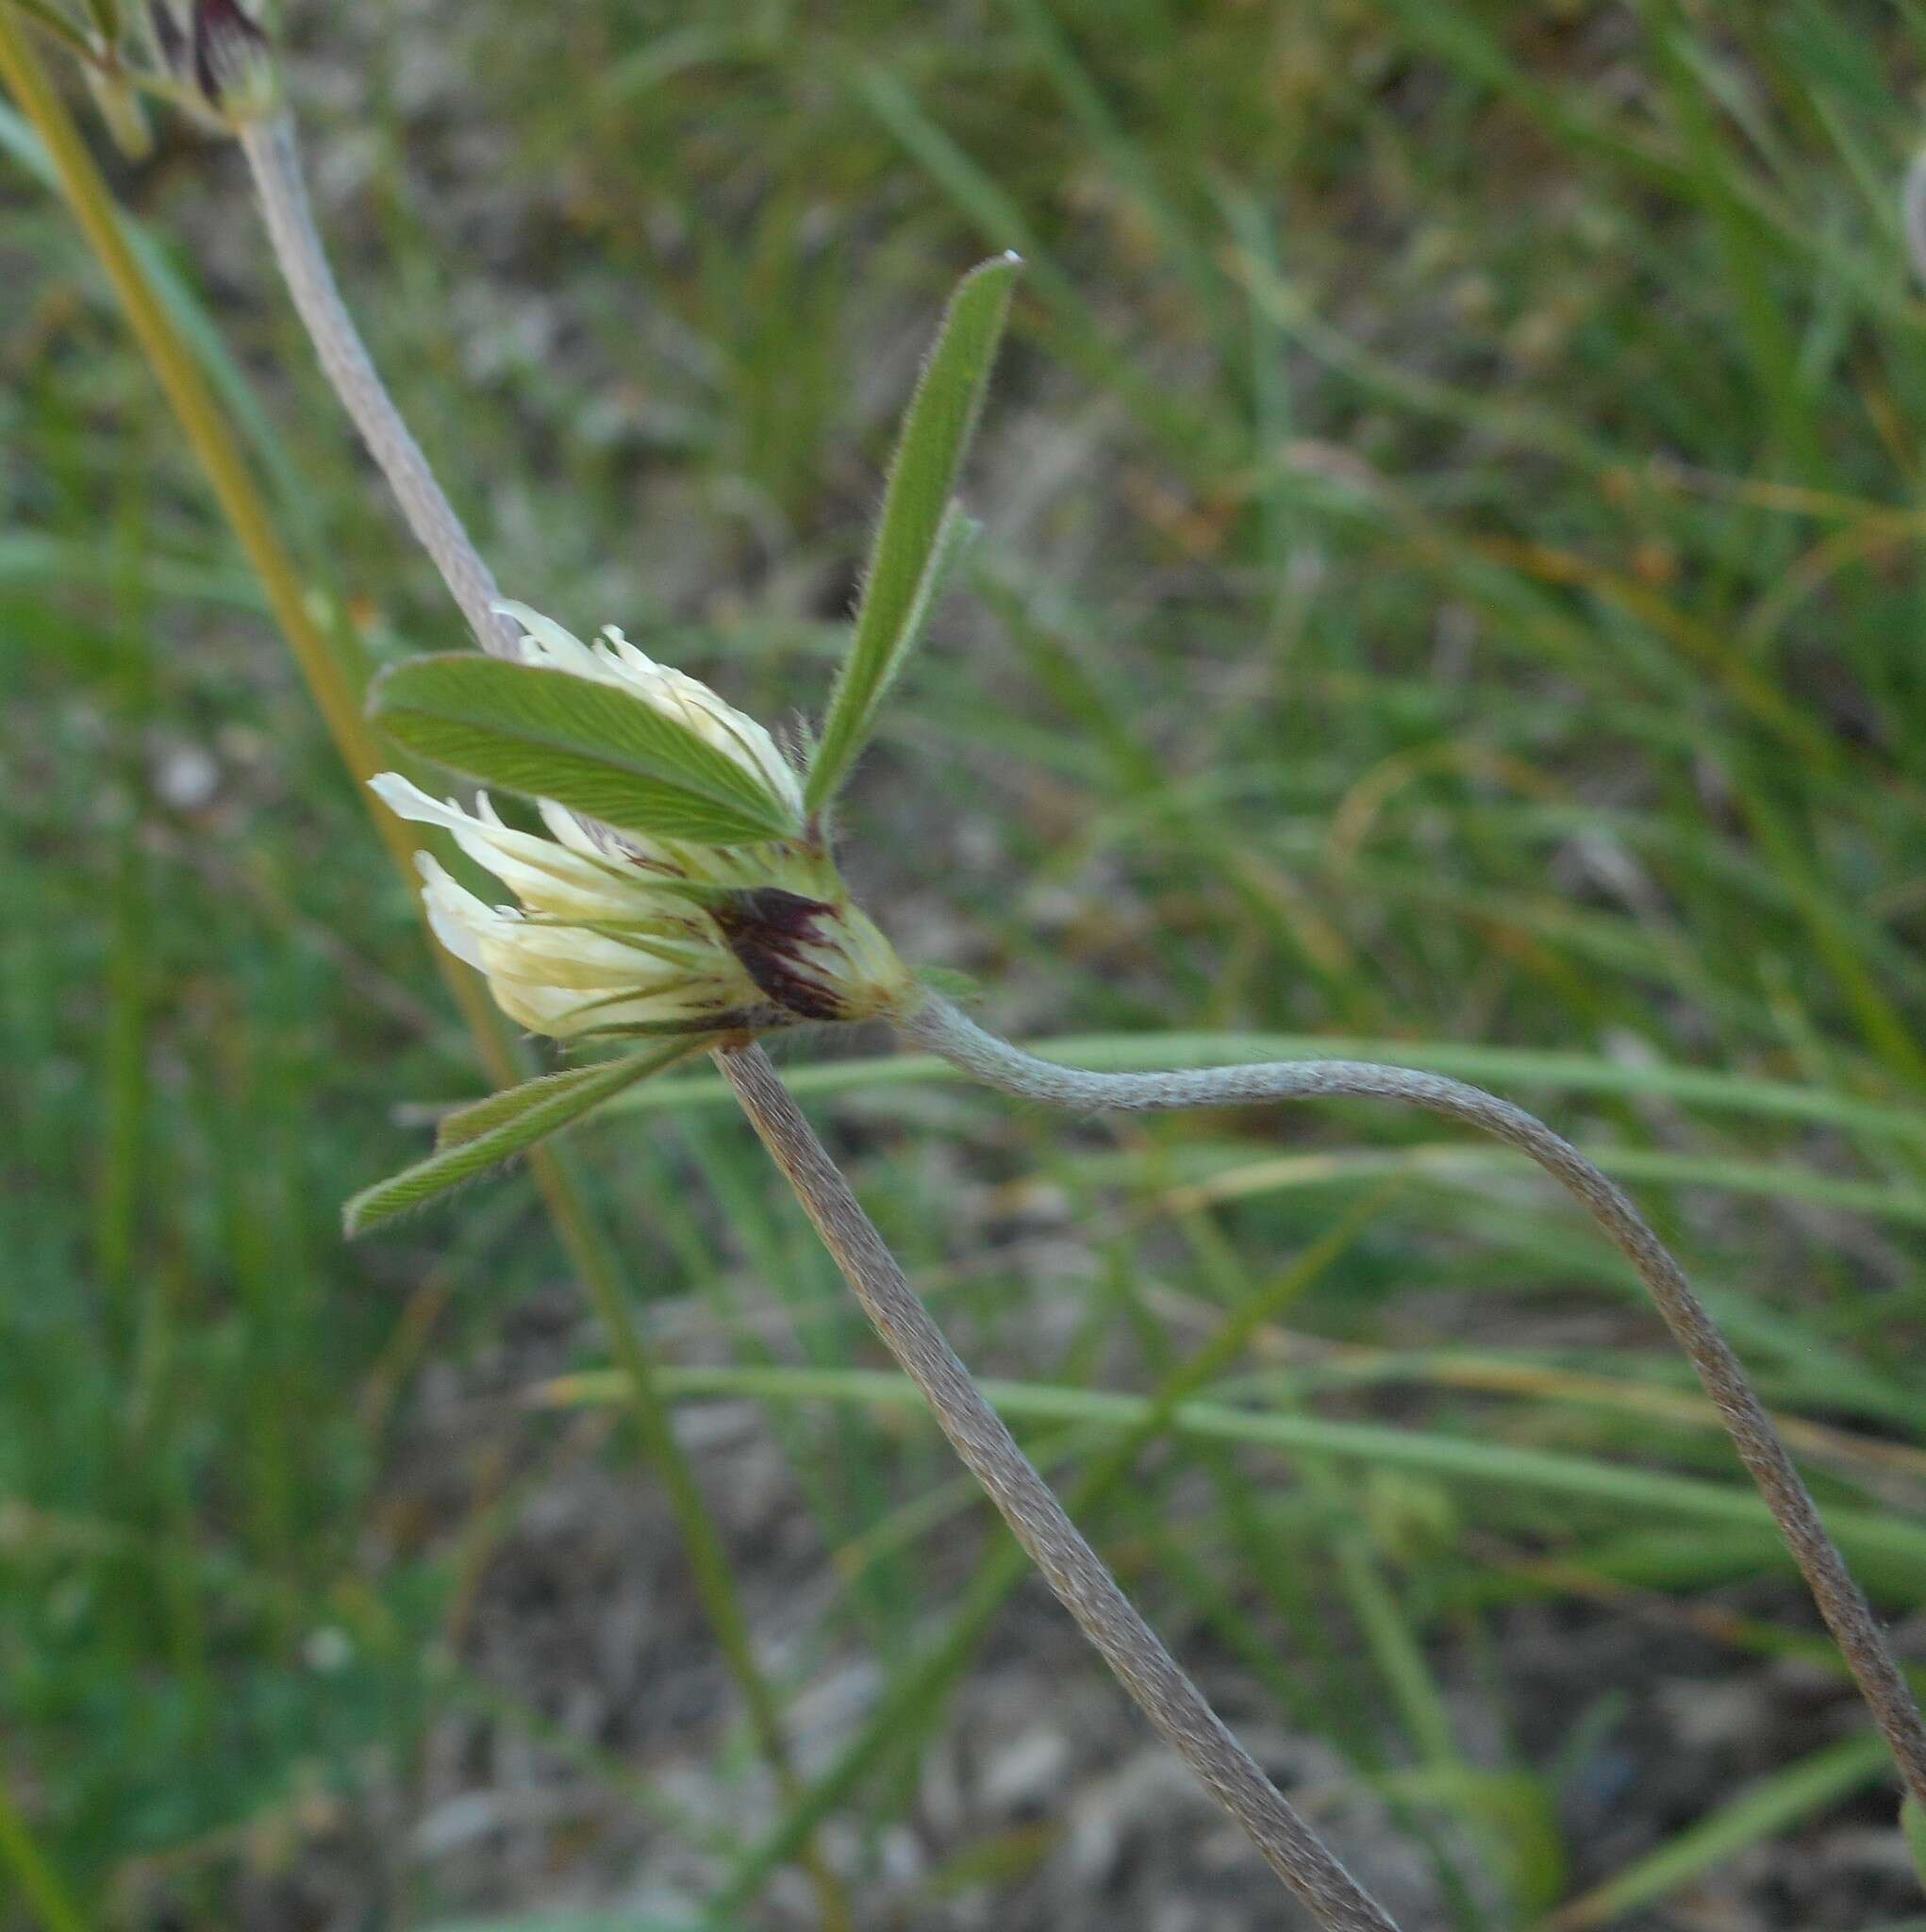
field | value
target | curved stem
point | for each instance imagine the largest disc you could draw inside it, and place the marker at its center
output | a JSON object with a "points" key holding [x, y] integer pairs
{"points": [[275, 163], [945, 1030], [1171, 1702]]}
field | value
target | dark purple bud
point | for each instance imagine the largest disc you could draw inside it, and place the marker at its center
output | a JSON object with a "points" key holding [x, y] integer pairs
{"points": [[779, 936], [220, 51], [811, 958]]}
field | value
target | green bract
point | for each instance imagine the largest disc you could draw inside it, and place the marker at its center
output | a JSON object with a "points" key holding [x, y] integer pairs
{"points": [[475, 1139]]}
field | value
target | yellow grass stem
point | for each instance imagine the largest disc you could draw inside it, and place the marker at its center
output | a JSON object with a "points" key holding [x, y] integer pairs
{"points": [[218, 454]]}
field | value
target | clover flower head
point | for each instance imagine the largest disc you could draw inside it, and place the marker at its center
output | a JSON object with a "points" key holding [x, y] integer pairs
{"points": [[615, 932]]}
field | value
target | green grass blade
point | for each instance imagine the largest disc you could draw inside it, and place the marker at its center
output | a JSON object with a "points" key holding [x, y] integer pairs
{"points": [[1194, 433], [905, 563], [594, 747], [1513, 1813], [1773, 1804], [1891, 1549], [1913, 1827], [39, 1887], [189, 314], [913, 1697], [479, 1137], [1121, 147], [56, 24], [1570, 1073], [1230, 1174]]}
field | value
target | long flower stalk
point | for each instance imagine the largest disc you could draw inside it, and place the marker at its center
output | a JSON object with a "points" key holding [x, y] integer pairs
{"points": [[940, 1026], [1072, 1569], [208, 436], [274, 162]]}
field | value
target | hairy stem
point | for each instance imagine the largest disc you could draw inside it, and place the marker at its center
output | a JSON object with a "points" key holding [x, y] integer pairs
{"points": [[274, 162], [945, 1030], [1073, 1570], [907, 1706]]}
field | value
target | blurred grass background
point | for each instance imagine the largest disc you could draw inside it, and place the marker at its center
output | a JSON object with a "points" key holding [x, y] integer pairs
{"points": [[1452, 581]]}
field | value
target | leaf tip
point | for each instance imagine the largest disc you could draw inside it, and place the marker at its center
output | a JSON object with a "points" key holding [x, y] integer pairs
{"points": [[996, 267]]}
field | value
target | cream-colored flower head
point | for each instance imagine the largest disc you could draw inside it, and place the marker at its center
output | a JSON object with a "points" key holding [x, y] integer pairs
{"points": [[619, 933]]}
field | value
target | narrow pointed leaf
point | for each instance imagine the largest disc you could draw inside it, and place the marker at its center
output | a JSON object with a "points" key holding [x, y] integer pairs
{"points": [[594, 747], [461, 1125], [954, 536], [474, 1139], [929, 453]]}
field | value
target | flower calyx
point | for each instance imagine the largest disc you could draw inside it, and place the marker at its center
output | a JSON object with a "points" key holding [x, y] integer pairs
{"points": [[220, 57], [619, 931]]}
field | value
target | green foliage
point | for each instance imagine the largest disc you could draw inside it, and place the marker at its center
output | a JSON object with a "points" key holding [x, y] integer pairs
{"points": [[594, 747], [58, 23], [921, 531], [579, 1921], [1430, 625], [1774, 1803], [474, 1139]]}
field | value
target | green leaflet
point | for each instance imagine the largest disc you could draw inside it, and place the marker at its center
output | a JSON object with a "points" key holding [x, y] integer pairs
{"points": [[921, 530], [474, 1139], [594, 747], [956, 534]]}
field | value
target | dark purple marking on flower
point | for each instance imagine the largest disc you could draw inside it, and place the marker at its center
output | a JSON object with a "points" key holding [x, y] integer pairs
{"points": [[227, 42], [773, 934]]}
